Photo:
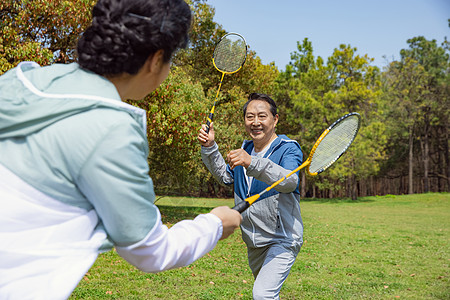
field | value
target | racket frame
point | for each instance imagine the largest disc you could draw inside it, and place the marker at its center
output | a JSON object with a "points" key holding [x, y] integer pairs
{"points": [[242, 206], [243, 61], [210, 117], [324, 134]]}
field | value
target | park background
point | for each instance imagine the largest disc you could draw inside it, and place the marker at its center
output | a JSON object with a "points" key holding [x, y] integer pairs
{"points": [[363, 239], [402, 146]]}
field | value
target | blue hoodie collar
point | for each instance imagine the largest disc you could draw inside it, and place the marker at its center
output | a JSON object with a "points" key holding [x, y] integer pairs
{"points": [[247, 145]]}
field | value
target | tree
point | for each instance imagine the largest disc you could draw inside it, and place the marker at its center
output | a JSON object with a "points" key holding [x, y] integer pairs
{"points": [[300, 90], [196, 62], [175, 111], [419, 91], [320, 94], [41, 31], [357, 88], [406, 85], [435, 61]]}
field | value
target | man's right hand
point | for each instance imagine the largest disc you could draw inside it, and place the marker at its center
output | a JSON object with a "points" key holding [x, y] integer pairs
{"points": [[206, 139]]}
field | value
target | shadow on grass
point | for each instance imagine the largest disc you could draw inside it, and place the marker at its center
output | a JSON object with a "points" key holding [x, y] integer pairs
{"points": [[174, 214], [336, 200]]}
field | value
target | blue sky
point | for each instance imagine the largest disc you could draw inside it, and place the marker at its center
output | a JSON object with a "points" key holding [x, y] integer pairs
{"points": [[375, 27]]}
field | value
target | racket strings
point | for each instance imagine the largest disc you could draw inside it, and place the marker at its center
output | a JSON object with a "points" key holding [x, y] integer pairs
{"points": [[229, 55], [334, 144]]}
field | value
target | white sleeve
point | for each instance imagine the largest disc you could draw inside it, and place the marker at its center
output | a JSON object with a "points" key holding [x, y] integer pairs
{"points": [[164, 248]]}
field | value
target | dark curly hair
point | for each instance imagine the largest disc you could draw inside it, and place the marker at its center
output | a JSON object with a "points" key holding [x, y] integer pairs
{"points": [[124, 33]]}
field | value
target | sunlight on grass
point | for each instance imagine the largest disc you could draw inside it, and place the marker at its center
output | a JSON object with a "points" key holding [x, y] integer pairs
{"points": [[392, 247]]}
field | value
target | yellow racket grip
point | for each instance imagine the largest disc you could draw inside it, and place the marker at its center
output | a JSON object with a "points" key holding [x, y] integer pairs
{"points": [[246, 203]]}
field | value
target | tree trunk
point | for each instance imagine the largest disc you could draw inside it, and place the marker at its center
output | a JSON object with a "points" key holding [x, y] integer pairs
{"points": [[410, 162], [354, 188], [446, 166], [426, 159], [348, 187], [353, 185], [372, 189]]}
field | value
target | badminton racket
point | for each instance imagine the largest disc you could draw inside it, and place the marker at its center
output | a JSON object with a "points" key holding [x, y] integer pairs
{"points": [[330, 146], [229, 56]]}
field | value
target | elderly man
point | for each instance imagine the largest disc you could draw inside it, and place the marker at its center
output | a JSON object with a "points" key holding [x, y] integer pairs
{"points": [[272, 227]]}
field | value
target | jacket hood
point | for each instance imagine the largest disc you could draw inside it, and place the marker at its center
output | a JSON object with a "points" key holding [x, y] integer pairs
{"points": [[280, 140], [32, 98]]}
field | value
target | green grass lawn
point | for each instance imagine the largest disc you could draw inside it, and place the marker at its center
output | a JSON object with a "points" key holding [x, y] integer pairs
{"points": [[389, 247]]}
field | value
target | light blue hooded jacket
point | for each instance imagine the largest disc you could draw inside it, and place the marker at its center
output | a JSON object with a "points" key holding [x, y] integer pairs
{"points": [[80, 150], [74, 181]]}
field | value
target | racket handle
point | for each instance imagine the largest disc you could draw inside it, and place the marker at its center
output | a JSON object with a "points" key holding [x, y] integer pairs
{"points": [[208, 122], [241, 207]]}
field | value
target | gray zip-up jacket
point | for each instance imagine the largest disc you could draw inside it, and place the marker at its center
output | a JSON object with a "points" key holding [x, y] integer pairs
{"points": [[275, 217]]}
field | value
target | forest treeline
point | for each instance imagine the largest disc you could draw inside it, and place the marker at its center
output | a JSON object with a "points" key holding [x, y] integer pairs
{"points": [[402, 146]]}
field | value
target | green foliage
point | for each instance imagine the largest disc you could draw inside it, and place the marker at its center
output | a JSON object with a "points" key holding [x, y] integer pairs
{"points": [[196, 62], [417, 89], [41, 31], [175, 111], [205, 33], [320, 94], [405, 100]]}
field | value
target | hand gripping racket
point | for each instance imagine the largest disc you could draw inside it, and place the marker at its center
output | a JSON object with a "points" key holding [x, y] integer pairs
{"points": [[333, 142], [228, 57]]}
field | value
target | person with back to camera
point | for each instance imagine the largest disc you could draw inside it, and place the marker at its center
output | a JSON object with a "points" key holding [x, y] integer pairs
{"points": [[73, 166], [272, 227]]}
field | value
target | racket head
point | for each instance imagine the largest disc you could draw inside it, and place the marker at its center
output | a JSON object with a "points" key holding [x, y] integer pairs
{"points": [[230, 53], [333, 142]]}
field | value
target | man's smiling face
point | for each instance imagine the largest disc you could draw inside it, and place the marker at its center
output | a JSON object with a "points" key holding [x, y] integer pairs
{"points": [[260, 123]]}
